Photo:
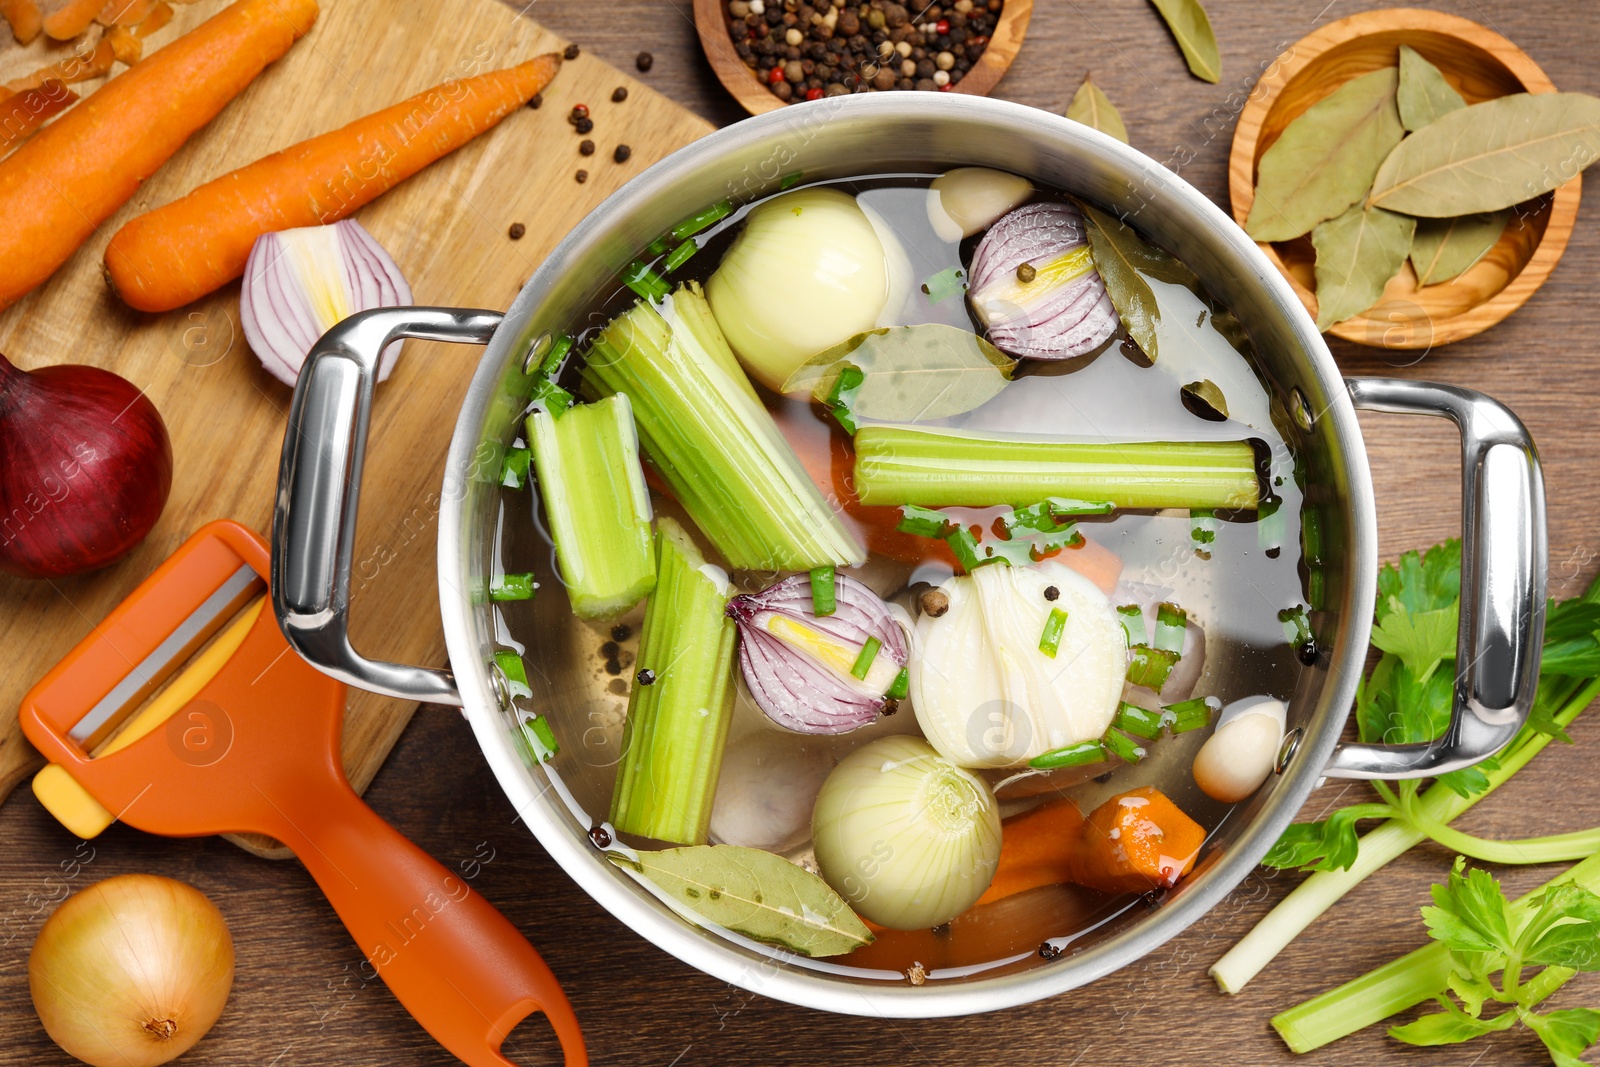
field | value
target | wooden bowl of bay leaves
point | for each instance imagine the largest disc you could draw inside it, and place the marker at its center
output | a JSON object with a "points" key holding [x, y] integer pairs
{"points": [[1413, 174]]}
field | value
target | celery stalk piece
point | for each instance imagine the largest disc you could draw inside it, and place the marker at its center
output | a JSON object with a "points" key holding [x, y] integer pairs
{"points": [[936, 468], [708, 435], [587, 460], [677, 725]]}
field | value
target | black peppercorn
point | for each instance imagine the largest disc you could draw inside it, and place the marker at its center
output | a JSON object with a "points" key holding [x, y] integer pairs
{"points": [[1051, 592], [621, 632], [571, 52], [644, 60], [516, 231], [537, 102], [647, 677], [581, 177], [622, 153], [619, 94], [583, 125], [586, 147]]}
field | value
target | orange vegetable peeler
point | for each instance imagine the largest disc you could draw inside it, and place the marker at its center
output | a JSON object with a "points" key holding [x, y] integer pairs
{"points": [[245, 739]]}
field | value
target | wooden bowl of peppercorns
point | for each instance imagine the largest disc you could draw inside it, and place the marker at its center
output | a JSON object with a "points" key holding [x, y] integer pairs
{"points": [[769, 53]]}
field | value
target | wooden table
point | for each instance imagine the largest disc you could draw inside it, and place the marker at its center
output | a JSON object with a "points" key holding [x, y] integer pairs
{"points": [[299, 1001]]}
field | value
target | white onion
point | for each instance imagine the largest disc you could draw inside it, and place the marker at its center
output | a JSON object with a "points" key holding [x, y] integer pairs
{"points": [[1242, 751], [807, 273], [966, 200], [907, 837], [298, 283]]}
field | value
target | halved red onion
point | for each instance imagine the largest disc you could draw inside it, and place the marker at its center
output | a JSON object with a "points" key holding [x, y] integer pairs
{"points": [[298, 283], [1057, 314], [799, 690]]}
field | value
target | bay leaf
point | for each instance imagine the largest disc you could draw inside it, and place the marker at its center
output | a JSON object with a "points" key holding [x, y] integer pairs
{"points": [[910, 373], [1192, 28], [1092, 107], [1490, 155], [1423, 94], [754, 893], [1325, 160], [1357, 254], [1123, 258], [1443, 248]]}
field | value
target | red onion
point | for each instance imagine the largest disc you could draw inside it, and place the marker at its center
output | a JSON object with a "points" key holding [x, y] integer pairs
{"points": [[1034, 286], [299, 283], [799, 690], [85, 468]]}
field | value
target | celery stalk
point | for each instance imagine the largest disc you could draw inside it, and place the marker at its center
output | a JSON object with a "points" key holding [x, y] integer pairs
{"points": [[937, 468], [715, 445], [587, 460], [1406, 982], [677, 725]]}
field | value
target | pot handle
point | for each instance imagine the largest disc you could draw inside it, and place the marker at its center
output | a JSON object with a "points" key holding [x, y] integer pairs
{"points": [[319, 486], [1504, 568]]}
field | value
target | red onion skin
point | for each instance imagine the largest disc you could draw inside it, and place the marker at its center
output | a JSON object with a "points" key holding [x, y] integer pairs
{"points": [[85, 469]]}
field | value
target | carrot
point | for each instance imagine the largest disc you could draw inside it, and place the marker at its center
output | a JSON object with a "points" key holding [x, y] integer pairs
{"points": [[124, 12], [65, 23], [1035, 850], [159, 16], [1133, 843], [178, 253], [89, 61], [23, 113], [56, 189], [125, 45], [24, 17]]}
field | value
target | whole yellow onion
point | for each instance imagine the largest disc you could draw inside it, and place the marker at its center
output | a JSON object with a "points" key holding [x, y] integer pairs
{"points": [[131, 971]]}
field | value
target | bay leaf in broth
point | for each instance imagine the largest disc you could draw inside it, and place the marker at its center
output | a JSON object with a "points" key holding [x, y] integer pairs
{"points": [[910, 373], [1443, 248], [754, 893], [1092, 107], [1357, 254], [1490, 155], [1191, 28], [1123, 258], [1423, 94], [1325, 160]]}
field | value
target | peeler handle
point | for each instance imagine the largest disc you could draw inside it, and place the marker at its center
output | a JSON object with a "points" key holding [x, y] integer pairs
{"points": [[455, 962]]}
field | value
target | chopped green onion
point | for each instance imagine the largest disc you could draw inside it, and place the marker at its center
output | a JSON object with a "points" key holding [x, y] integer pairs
{"points": [[964, 546], [1063, 536], [680, 256], [842, 396], [922, 522], [1296, 626], [938, 468], [869, 652], [558, 352], [656, 247], [1140, 722], [676, 728], [712, 441], [1189, 714], [1151, 666], [1055, 624], [512, 587], [1172, 622], [536, 740], [514, 470], [1123, 747], [945, 284], [790, 180], [1084, 752], [1132, 619], [822, 602], [642, 279], [515, 673], [551, 397], [1270, 525], [900, 686], [597, 504], [1203, 528], [701, 219]]}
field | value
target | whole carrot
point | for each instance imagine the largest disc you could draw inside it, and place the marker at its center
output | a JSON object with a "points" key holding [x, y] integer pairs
{"points": [[76, 172], [167, 257]]}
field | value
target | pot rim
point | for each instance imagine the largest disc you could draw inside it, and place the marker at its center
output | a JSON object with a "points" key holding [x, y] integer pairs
{"points": [[720, 957]]}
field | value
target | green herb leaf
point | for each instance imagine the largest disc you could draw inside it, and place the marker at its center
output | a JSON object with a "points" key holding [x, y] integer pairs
{"points": [[1469, 781], [1565, 929], [1357, 254], [1566, 1034], [1329, 844], [1123, 258], [912, 373], [1490, 155], [754, 893], [1094, 108], [1441, 249], [1192, 29], [1423, 94], [1450, 1027], [1571, 640], [1421, 582], [1421, 639], [1325, 160], [1469, 912]]}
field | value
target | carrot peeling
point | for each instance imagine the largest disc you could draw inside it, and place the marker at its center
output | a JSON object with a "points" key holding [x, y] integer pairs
{"points": [[88, 62], [64, 182], [127, 47], [24, 17], [65, 23], [21, 114], [159, 16], [178, 253]]}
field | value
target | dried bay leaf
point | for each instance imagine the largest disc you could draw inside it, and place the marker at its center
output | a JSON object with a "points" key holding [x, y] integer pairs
{"points": [[1192, 29], [1443, 248], [1325, 160], [909, 373], [1490, 155], [1123, 258], [754, 893], [1423, 94], [1357, 254], [1092, 107]]}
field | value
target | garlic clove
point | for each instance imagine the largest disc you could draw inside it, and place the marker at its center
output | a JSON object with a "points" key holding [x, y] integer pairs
{"points": [[966, 200], [1242, 751]]}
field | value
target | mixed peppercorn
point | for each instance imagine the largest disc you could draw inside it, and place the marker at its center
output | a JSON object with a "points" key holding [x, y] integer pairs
{"points": [[808, 49]]}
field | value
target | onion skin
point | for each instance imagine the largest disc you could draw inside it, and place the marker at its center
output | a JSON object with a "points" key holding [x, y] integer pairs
{"points": [[85, 469], [131, 971]]}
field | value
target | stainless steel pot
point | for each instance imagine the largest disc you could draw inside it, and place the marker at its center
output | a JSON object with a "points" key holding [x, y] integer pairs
{"points": [[1503, 576]]}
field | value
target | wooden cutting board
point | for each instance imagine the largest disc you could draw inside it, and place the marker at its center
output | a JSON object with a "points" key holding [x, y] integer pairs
{"points": [[446, 228]]}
